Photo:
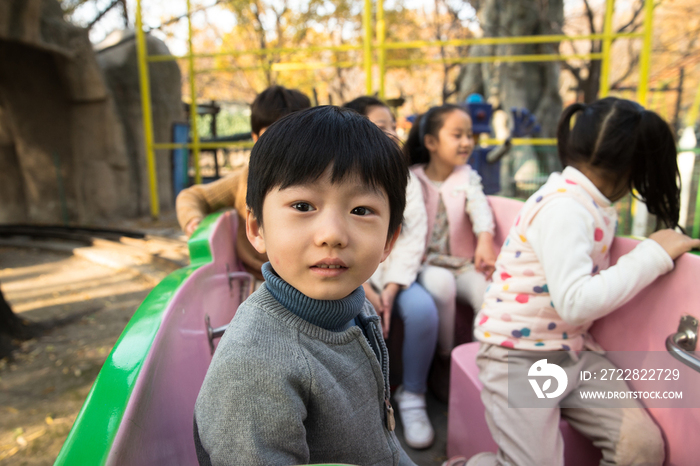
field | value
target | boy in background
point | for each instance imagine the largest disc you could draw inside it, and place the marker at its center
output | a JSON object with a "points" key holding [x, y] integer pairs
{"points": [[301, 374], [198, 201]]}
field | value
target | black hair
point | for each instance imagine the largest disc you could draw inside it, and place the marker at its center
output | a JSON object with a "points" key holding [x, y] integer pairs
{"points": [[428, 123], [272, 104], [625, 140], [362, 104], [299, 148]]}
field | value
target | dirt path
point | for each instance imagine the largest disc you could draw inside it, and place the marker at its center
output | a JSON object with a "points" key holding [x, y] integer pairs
{"points": [[43, 388]]}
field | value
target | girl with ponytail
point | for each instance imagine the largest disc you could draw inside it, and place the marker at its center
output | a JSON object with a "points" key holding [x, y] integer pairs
{"points": [[553, 279]]}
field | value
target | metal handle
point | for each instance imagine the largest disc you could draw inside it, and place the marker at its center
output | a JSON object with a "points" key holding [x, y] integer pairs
{"points": [[247, 283], [682, 344], [213, 332]]}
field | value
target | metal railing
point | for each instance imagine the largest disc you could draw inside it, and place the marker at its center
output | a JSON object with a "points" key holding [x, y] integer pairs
{"points": [[368, 46]]}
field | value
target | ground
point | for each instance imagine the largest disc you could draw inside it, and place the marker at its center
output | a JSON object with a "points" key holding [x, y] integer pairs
{"points": [[43, 387], [45, 383]]}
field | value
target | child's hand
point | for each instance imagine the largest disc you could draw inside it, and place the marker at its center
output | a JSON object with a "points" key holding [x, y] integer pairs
{"points": [[388, 296], [674, 243], [376, 301], [484, 255], [191, 226]]}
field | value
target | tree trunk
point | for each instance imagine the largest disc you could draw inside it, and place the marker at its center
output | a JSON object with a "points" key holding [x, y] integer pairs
{"points": [[534, 86], [591, 85], [11, 328]]}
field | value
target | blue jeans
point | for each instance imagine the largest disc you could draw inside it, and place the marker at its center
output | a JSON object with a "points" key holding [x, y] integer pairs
{"points": [[419, 314]]}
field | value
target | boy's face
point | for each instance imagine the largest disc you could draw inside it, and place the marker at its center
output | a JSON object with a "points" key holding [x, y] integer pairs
{"points": [[324, 239]]}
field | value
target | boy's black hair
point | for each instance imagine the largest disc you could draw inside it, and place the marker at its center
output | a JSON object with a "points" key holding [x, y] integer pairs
{"points": [[362, 104], [272, 104], [299, 148], [625, 140], [428, 123]]}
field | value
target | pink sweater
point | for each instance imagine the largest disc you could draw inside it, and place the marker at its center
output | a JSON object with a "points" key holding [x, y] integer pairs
{"points": [[468, 211]]}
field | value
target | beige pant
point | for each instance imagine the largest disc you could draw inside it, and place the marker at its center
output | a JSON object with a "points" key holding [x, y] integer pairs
{"points": [[531, 436], [468, 287]]}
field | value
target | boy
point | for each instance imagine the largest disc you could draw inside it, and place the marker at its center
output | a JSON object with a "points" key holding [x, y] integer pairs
{"points": [[198, 201], [301, 374]]}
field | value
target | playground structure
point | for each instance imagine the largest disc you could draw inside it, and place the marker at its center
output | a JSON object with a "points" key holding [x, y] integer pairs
{"points": [[375, 46]]}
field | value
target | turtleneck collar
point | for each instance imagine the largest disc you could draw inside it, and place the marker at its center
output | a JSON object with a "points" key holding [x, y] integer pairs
{"points": [[331, 315]]}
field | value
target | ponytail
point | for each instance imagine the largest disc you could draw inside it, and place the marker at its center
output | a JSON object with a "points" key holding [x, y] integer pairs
{"points": [[654, 172], [413, 148], [564, 130], [626, 141]]}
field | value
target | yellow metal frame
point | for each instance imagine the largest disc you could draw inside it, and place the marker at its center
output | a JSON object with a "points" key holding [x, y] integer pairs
{"points": [[607, 44], [193, 99], [146, 110], [368, 47]]}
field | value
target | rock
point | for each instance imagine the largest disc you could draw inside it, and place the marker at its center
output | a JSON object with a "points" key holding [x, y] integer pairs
{"points": [[117, 57], [71, 143]]}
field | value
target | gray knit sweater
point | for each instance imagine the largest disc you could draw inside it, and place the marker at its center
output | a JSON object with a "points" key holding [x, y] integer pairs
{"points": [[282, 391]]}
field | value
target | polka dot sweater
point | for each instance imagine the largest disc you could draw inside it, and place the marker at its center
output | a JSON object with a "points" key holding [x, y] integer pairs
{"points": [[519, 310]]}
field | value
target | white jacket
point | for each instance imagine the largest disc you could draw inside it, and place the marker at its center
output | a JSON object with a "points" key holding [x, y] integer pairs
{"points": [[405, 259]]}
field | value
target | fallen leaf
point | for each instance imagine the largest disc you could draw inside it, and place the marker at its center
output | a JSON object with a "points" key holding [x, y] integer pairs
{"points": [[35, 435]]}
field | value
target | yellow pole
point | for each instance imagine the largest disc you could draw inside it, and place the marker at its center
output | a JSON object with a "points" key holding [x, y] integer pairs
{"points": [[146, 110], [381, 36], [367, 25], [193, 102], [645, 59], [607, 43]]}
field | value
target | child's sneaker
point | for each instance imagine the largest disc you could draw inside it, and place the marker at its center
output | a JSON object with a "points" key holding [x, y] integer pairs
{"points": [[417, 429]]}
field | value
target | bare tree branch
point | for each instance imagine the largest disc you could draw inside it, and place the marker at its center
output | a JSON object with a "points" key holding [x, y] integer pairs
{"points": [[574, 47], [125, 13], [573, 70], [634, 61], [102, 13], [631, 22], [596, 45], [175, 19], [591, 16], [628, 72], [279, 29]]}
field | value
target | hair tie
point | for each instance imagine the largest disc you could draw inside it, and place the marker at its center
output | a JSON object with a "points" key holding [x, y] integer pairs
{"points": [[423, 126]]}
